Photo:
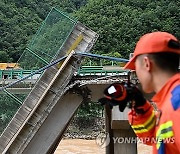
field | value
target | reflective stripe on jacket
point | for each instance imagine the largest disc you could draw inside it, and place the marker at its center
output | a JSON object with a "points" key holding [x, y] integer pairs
{"points": [[162, 131]]}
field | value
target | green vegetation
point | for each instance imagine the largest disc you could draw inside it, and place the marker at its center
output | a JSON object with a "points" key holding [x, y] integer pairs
{"points": [[8, 107], [20, 19], [119, 23]]}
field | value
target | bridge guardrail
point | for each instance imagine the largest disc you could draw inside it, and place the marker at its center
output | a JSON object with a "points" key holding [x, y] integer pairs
{"points": [[82, 71]]}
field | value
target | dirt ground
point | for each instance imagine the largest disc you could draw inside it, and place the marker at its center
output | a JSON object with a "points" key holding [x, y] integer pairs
{"points": [[80, 146]]}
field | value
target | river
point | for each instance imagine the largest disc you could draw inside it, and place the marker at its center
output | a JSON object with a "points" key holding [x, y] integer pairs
{"points": [[81, 146]]}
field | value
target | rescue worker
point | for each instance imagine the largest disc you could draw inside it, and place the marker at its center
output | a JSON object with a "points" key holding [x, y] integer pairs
{"points": [[156, 62]]}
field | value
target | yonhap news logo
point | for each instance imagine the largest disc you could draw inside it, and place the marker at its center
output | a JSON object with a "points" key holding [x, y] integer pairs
{"points": [[103, 140]]}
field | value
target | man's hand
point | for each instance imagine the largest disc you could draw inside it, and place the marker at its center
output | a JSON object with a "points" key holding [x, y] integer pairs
{"points": [[121, 94], [111, 103]]}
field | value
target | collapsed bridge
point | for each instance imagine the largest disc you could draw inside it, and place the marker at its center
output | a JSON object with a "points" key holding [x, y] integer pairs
{"points": [[38, 125]]}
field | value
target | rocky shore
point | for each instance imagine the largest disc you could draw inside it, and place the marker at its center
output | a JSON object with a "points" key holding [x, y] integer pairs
{"points": [[81, 128]]}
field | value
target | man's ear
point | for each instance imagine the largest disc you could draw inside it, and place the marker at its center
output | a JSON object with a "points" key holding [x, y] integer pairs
{"points": [[147, 63]]}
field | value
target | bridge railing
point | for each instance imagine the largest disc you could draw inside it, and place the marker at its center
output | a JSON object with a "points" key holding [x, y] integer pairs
{"points": [[82, 71], [17, 74], [100, 70]]}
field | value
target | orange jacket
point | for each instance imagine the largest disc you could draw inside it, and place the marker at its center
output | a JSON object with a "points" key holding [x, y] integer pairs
{"points": [[161, 128]]}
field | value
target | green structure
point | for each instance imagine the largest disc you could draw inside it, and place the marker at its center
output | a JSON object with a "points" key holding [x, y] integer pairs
{"points": [[40, 51], [47, 41]]}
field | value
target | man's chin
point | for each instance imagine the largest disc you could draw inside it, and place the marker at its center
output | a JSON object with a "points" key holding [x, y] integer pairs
{"points": [[147, 91]]}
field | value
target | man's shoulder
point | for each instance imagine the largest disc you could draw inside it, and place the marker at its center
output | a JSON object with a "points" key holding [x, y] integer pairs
{"points": [[175, 97]]}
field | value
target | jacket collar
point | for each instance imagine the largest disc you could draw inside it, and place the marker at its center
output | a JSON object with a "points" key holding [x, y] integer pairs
{"points": [[160, 96]]}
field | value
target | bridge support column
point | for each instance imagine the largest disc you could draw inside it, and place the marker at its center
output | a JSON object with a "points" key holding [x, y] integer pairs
{"points": [[108, 117], [117, 125], [123, 135], [124, 141]]}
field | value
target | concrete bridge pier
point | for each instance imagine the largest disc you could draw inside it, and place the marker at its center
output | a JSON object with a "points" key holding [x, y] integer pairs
{"points": [[117, 126]]}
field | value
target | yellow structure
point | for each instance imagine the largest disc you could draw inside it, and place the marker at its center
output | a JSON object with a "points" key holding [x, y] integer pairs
{"points": [[4, 66]]}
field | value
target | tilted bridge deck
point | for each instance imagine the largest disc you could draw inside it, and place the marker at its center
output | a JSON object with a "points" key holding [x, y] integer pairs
{"points": [[24, 128]]}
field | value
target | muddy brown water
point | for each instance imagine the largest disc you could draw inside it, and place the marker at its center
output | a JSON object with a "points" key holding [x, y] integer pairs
{"points": [[80, 146]]}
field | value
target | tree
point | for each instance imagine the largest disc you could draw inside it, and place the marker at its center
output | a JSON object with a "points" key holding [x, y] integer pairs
{"points": [[19, 20], [121, 23], [8, 108], [4, 57]]}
